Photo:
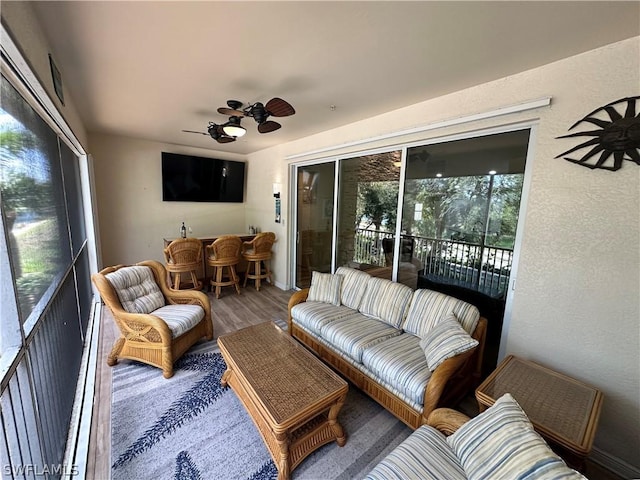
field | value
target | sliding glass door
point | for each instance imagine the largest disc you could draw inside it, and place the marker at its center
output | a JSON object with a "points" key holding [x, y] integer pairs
{"points": [[460, 214], [314, 220], [368, 206], [459, 204], [460, 210]]}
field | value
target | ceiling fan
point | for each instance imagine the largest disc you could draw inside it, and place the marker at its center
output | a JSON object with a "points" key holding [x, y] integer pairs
{"points": [[231, 130]]}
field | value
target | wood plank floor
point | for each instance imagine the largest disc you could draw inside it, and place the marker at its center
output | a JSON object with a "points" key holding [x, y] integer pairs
{"points": [[230, 312]]}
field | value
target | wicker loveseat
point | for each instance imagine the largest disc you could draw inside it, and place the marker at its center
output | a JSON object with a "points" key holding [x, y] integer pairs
{"points": [[498, 443], [411, 351]]}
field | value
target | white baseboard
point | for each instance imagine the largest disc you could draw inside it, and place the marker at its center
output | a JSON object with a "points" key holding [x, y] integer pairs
{"points": [[281, 286], [614, 464]]}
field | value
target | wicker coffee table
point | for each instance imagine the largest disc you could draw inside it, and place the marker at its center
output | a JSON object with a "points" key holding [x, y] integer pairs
{"points": [[563, 410], [292, 397]]}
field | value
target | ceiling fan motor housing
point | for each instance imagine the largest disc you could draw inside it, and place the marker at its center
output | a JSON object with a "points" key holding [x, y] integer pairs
{"points": [[213, 131], [234, 104], [258, 112]]}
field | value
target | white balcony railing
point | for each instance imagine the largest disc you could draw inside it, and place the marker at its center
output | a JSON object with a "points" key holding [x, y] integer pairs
{"points": [[479, 267]]}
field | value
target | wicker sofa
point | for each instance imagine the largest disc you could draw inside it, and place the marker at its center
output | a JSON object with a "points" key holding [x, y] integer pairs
{"points": [[411, 351], [498, 443]]}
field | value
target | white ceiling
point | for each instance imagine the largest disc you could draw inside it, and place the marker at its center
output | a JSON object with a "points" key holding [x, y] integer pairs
{"points": [[151, 69]]}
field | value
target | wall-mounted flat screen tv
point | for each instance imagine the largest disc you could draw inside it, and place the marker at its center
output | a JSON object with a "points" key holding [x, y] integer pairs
{"points": [[186, 178]]}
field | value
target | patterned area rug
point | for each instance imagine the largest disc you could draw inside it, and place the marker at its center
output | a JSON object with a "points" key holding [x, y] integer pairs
{"points": [[189, 427]]}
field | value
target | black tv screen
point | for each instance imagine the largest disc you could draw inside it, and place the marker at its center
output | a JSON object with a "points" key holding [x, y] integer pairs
{"points": [[186, 178]]}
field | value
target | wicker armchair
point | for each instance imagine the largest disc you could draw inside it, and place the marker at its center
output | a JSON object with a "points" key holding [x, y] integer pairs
{"points": [[221, 254], [157, 324], [184, 255], [257, 252]]}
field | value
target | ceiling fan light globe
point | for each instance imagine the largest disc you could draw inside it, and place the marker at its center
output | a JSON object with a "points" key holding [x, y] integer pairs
{"points": [[234, 130]]}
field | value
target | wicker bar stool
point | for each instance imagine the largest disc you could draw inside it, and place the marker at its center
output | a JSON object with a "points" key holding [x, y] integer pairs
{"points": [[184, 255], [221, 254], [257, 252]]}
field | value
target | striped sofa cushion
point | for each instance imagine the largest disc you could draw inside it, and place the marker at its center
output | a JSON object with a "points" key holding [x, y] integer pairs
{"points": [[400, 362], [386, 300], [325, 287], [314, 315], [352, 335], [501, 443], [447, 339], [424, 455], [354, 285], [346, 358], [137, 289], [428, 307], [180, 318]]}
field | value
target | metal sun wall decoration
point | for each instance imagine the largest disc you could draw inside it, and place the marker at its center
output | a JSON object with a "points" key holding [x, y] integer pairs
{"points": [[618, 136]]}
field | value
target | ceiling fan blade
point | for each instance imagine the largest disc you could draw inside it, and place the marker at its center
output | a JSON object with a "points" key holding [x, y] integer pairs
{"points": [[268, 126], [279, 108], [230, 112], [193, 131], [226, 139]]}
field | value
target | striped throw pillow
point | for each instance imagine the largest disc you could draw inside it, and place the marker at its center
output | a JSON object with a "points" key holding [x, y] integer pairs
{"points": [[137, 289], [386, 300], [429, 306], [354, 286], [501, 443], [445, 340], [325, 288]]}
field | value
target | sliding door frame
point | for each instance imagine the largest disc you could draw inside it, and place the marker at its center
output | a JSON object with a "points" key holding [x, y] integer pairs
{"points": [[529, 124]]}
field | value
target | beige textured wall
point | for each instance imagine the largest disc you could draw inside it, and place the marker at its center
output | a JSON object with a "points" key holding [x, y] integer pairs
{"points": [[132, 217], [576, 304], [265, 170]]}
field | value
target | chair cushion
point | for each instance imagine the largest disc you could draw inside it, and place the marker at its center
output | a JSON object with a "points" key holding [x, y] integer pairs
{"points": [[424, 455], [314, 315], [137, 289], [399, 362], [180, 318], [501, 443], [386, 300], [447, 339], [428, 307], [352, 335], [354, 286], [325, 287]]}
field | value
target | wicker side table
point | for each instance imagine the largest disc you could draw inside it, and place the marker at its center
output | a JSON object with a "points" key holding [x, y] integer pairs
{"points": [[563, 410]]}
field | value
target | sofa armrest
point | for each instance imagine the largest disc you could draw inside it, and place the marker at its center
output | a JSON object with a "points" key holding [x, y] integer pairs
{"points": [[298, 297], [446, 420], [439, 379], [480, 334], [468, 363]]}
